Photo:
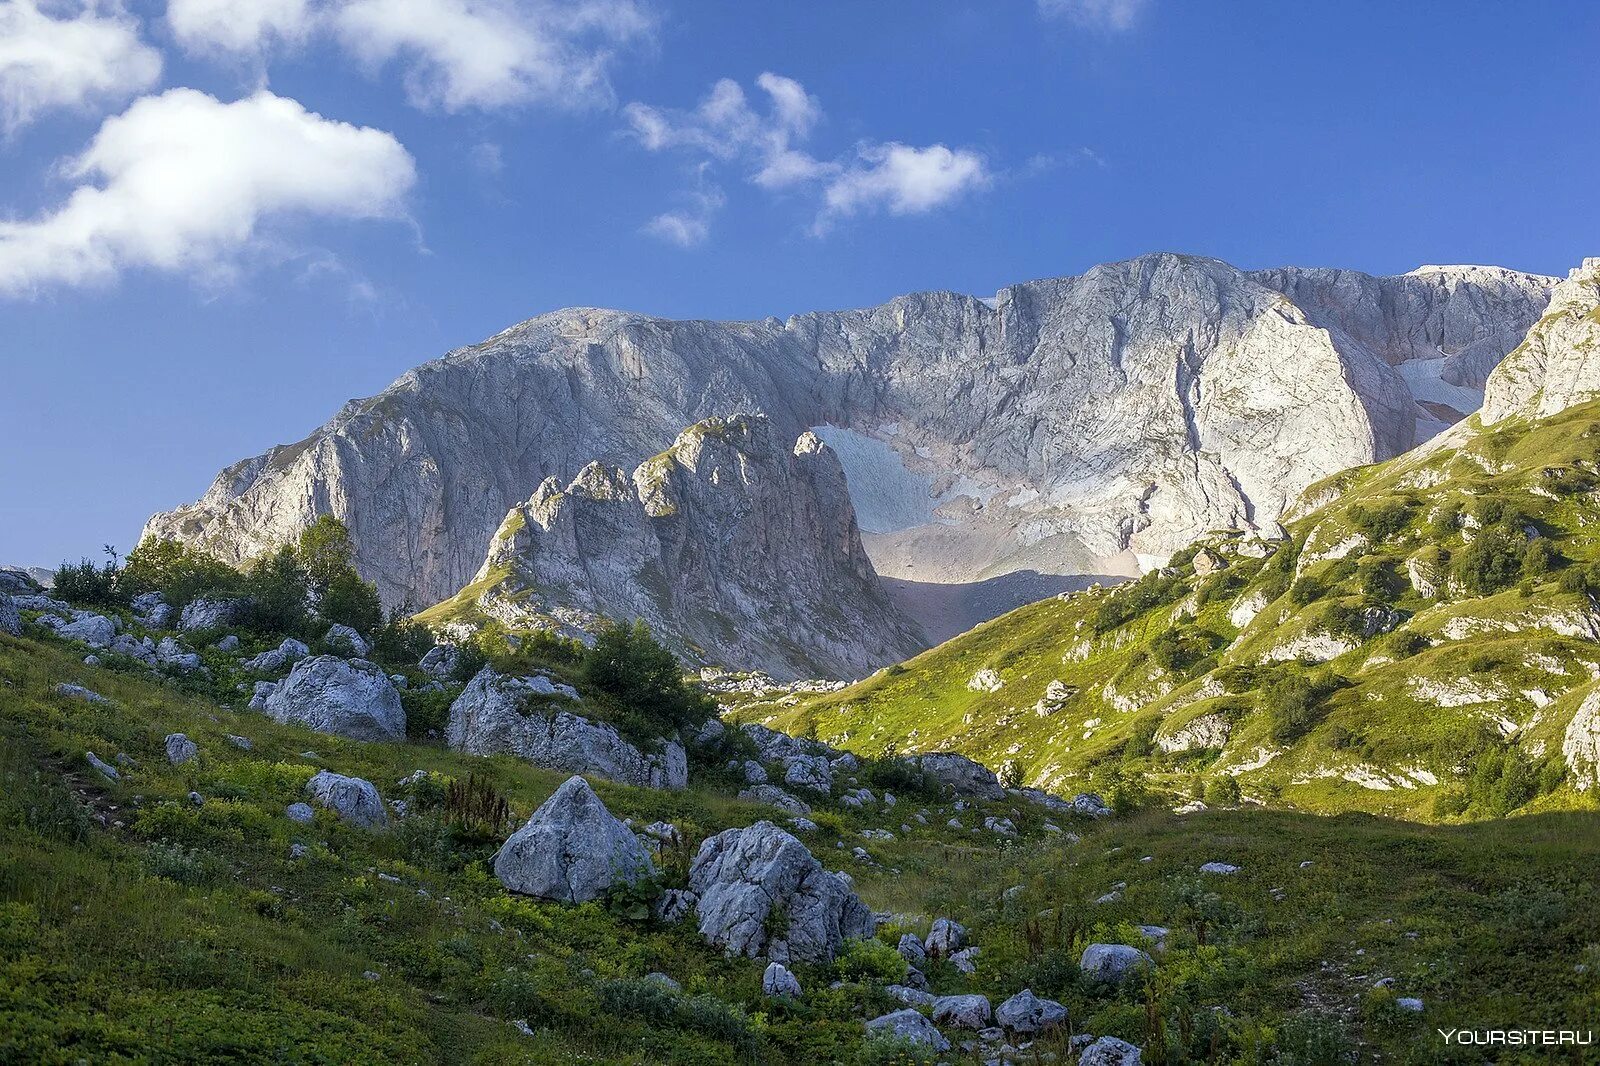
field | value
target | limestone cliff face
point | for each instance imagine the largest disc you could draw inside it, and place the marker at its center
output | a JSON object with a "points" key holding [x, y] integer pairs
{"points": [[1066, 426], [1558, 365], [737, 549]]}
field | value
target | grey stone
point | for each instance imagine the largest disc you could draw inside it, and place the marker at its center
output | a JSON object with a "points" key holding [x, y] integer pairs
{"points": [[908, 1024], [440, 662], [1113, 962], [95, 630], [106, 770], [964, 1012], [911, 997], [1109, 1051], [229, 643], [961, 775], [180, 749], [778, 981], [209, 613], [1028, 1013], [911, 949], [674, 905], [808, 771], [353, 799], [260, 692], [945, 938], [743, 876], [349, 698], [966, 960], [491, 716], [572, 849], [10, 616], [1221, 868], [345, 640], [301, 813], [777, 797], [78, 692]]}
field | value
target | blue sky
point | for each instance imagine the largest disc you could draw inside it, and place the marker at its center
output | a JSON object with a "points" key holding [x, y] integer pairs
{"points": [[221, 219]]}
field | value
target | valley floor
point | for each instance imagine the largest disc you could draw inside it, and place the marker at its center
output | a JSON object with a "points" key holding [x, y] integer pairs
{"points": [[137, 925]]}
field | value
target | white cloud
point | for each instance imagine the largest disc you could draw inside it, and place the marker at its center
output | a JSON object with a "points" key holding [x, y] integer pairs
{"points": [[184, 183], [246, 26], [904, 180], [768, 145], [462, 54], [90, 54], [691, 225], [1096, 14]]}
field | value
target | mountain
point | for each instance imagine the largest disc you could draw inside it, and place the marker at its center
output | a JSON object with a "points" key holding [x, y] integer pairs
{"points": [[1424, 638], [1075, 426], [736, 548]]}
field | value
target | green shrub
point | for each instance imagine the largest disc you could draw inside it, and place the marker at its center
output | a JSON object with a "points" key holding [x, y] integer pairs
{"points": [[1294, 703], [179, 572], [85, 583], [627, 664], [1381, 521], [870, 960], [1135, 598], [1222, 792], [277, 588], [1493, 561]]}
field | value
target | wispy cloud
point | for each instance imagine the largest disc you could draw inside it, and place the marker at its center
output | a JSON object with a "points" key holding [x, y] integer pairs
{"points": [[89, 57], [1096, 14]]}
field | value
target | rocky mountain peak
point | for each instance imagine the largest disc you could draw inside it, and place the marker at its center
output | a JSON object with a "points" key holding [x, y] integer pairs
{"points": [[1558, 365], [737, 550]]}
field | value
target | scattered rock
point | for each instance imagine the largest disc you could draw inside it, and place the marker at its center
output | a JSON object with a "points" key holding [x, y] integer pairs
{"points": [[106, 770], [966, 960], [353, 799], [1409, 1003], [1091, 804], [744, 876], [260, 693], [229, 643], [964, 1012], [778, 981], [274, 660], [78, 692], [945, 938], [1221, 868], [242, 743], [808, 771], [674, 905], [1109, 1051], [777, 797], [348, 698], [180, 749], [95, 630], [10, 616], [1028, 1013], [572, 850], [341, 638], [208, 613], [441, 662], [911, 997], [911, 949], [1113, 962], [961, 775], [301, 813], [910, 1025]]}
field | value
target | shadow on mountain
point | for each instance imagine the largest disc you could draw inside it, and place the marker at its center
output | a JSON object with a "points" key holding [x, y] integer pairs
{"points": [[947, 609]]}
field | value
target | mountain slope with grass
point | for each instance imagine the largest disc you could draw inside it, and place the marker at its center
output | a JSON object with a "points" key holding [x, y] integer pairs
{"points": [[1424, 641]]}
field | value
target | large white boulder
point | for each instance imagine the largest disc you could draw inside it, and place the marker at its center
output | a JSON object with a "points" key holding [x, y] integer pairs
{"points": [[961, 775], [572, 850], [963, 1012], [496, 713], [1113, 962], [1109, 1051], [353, 799], [346, 697], [209, 613], [745, 877], [1028, 1013], [909, 1025]]}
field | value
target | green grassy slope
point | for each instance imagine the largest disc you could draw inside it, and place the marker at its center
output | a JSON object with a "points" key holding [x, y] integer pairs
{"points": [[1354, 686]]}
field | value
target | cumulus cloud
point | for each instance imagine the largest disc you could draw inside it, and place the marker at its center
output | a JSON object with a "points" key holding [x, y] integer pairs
{"points": [[768, 143], [243, 26], [68, 57], [904, 180], [1096, 14], [690, 225], [184, 183], [464, 54]]}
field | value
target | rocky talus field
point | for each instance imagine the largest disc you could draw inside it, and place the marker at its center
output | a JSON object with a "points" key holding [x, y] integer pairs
{"points": [[668, 773]]}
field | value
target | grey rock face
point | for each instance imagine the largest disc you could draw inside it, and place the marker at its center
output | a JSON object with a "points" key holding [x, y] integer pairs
{"points": [[909, 1024], [348, 698], [440, 662], [180, 749], [1110, 1051], [10, 616], [571, 850], [1112, 962], [1558, 364], [1128, 409], [207, 613], [1028, 1013], [496, 713], [743, 875], [735, 545], [808, 771], [151, 611], [353, 799], [965, 1012], [945, 938], [95, 630], [961, 775], [778, 981], [273, 660]]}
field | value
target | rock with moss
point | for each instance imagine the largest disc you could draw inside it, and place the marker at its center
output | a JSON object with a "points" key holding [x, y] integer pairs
{"points": [[572, 849], [527, 717], [762, 893]]}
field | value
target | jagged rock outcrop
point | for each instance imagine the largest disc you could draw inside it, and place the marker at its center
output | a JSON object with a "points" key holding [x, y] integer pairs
{"points": [[1558, 365], [1063, 427], [736, 547], [524, 717], [745, 877], [573, 849]]}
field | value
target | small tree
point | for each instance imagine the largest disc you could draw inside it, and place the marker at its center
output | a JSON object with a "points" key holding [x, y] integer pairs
{"points": [[629, 665]]}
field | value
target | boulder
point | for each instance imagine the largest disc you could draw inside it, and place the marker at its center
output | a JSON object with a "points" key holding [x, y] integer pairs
{"points": [[342, 638], [963, 1012], [778, 981], [353, 799], [1091, 804], [275, 660], [229, 643], [754, 772], [260, 693], [180, 749], [95, 630], [152, 611], [10, 616], [1109, 1051], [808, 771], [966, 960], [170, 653], [1113, 962], [572, 850], [744, 877], [961, 775], [911, 949], [346, 697], [945, 938], [1224, 869], [911, 997], [910, 1025], [775, 796], [301, 813], [1027, 1013], [106, 770], [673, 906], [210, 613], [440, 662], [78, 692], [493, 715]]}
